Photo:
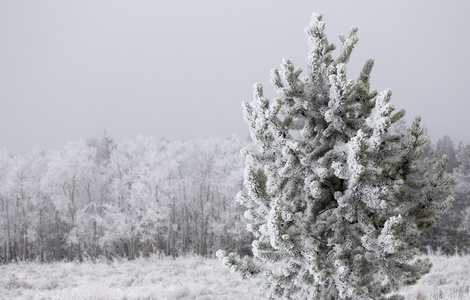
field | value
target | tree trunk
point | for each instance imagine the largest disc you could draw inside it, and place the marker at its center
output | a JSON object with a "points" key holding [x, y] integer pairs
{"points": [[211, 244], [172, 229], [204, 236], [238, 246], [96, 247], [173, 245], [8, 246], [26, 252], [145, 245], [14, 253], [57, 239], [157, 243], [121, 248], [188, 230], [70, 252], [131, 248], [79, 250], [22, 245]]}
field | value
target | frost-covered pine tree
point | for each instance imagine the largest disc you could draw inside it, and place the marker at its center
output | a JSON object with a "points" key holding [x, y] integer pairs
{"points": [[331, 203]]}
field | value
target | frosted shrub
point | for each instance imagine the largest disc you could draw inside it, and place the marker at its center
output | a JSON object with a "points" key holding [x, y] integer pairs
{"points": [[333, 196]]}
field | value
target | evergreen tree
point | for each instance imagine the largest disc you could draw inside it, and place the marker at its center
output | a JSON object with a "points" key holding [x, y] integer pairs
{"points": [[449, 235], [330, 201], [445, 146]]}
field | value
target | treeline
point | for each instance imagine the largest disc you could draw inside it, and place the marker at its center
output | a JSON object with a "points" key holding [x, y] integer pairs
{"points": [[99, 198], [452, 233]]}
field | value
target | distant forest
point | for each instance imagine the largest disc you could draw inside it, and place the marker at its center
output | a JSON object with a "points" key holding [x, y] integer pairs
{"points": [[102, 198]]}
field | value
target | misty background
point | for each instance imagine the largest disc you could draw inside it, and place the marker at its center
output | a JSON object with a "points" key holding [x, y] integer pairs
{"points": [[180, 69]]}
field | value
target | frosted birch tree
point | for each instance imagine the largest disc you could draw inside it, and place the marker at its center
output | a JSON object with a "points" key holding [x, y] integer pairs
{"points": [[22, 205], [331, 203], [68, 182]]}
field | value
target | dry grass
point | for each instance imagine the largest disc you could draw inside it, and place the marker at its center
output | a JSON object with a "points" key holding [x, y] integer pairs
{"points": [[186, 278], [449, 279]]}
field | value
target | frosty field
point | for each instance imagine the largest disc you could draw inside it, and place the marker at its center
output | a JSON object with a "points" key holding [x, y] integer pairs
{"points": [[185, 278]]}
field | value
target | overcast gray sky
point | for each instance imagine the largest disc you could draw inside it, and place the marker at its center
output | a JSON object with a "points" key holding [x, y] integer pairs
{"points": [[180, 69]]}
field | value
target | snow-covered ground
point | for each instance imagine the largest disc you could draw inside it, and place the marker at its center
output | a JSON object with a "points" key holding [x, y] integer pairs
{"points": [[185, 278]]}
